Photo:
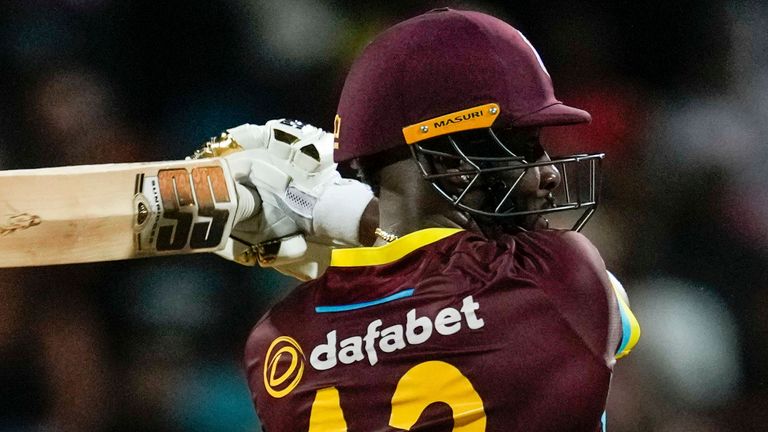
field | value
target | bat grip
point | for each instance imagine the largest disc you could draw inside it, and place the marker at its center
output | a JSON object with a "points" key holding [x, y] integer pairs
{"points": [[248, 203]]}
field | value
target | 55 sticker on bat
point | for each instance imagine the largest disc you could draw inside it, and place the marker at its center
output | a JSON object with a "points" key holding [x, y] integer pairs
{"points": [[183, 209]]}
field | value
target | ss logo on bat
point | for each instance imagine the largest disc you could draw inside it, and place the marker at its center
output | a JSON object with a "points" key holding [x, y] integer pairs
{"points": [[181, 194]]}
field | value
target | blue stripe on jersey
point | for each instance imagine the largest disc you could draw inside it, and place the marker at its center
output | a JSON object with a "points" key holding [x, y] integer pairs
{"points": [[602, 420], [354, 306]]}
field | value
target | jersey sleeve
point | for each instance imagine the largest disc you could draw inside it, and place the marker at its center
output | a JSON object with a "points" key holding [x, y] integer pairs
{"points": [[577, 282]]}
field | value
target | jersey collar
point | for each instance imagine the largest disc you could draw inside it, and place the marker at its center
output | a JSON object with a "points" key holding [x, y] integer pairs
{"points": [[391, 252]]}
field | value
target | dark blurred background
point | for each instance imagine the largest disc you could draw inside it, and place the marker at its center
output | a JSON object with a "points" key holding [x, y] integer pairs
{"points": [[679, 96]]}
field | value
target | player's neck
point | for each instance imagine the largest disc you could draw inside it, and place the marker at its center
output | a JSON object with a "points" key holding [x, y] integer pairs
{"points": [[408, 203]]}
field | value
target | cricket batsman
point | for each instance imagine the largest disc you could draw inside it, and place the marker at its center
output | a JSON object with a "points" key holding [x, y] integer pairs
{"points": [[468, 312]]}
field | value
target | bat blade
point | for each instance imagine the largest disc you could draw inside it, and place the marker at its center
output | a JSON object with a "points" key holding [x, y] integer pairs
{"points": [[112, 212]]}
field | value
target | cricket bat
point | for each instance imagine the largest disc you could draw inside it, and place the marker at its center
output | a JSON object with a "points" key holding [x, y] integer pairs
{"points": [[78, 214]]}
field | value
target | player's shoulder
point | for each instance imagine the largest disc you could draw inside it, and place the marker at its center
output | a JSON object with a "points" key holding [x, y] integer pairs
{"points": [[537, 253], [572, 258], [560, 241], [551, 253], [280, 319], [574, 247], [577, 284]]}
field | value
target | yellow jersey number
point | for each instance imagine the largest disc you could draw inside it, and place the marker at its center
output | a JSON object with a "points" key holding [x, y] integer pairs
{"points": [[423, 384]]}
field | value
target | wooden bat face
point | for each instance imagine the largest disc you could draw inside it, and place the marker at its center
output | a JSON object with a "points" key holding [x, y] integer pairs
{"points": [[116, 211]]}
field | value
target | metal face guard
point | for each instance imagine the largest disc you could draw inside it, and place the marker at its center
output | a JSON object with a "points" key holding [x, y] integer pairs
{"points": [[498, 172]]}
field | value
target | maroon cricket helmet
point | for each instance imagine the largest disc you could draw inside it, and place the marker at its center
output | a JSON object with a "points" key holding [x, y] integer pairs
{"points": [[442, 72]]}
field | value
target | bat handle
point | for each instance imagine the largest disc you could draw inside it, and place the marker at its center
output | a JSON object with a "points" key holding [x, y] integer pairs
{"points": [[248, 203]]}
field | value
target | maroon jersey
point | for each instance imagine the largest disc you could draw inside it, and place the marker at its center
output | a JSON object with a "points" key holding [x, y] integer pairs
{"points": [[442, 330]]}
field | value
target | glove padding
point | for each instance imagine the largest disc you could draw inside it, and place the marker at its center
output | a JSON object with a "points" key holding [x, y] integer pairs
{"points": [[286, 168]]}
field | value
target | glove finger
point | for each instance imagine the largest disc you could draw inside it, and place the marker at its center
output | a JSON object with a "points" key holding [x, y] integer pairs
{"points": [[239, 165], [250, 136]]}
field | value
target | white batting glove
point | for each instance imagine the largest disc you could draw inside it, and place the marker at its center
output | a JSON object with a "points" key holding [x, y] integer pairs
{"points": [[299, 172], [299, 195]]}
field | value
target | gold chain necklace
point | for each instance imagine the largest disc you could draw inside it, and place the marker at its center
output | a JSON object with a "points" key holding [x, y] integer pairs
{"points": [[387, 237]]}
